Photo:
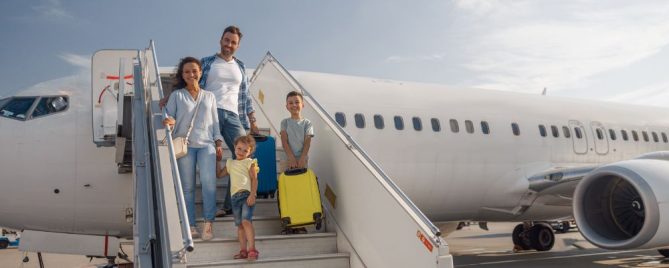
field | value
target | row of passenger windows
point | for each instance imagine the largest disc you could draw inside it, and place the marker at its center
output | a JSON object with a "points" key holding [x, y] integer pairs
{"points": [[25, 108], [417, 123]]}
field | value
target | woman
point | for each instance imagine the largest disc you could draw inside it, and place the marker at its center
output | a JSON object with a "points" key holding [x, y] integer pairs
{"points": [[204, 140]]}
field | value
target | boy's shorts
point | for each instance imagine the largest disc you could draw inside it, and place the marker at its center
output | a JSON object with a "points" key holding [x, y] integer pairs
{"points": [[240, 209]]}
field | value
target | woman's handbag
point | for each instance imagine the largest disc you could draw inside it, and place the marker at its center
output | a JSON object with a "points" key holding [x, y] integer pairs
{"points": [[180, 144]]}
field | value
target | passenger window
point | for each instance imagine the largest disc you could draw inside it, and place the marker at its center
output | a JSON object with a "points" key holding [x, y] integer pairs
{"points": [[600, 135], [555, 131], [17, 108], [542, 130], [399, 122], [566, 132], [417, 124], [624, 134], [378, 121], [655, 138], [578, 133], [612, 134], [485, 128], [454, 125], [341, 119], [664, 137], [469, 126], [49, 105], [515, 129], [645, 135], [635, 136], [436, 126], [359, 120]]}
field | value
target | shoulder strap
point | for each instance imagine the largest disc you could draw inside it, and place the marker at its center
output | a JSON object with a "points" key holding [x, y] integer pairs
{"points": [[192, 121]]}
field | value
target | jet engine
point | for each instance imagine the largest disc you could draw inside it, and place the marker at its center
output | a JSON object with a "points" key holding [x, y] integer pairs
{"points": [[624, 205]]}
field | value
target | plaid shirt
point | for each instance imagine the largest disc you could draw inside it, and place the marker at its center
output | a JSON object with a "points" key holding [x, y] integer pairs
{"points": [[245, 103]]}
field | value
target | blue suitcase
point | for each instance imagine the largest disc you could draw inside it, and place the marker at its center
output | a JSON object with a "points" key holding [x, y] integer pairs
{"points": [[266, 155]]}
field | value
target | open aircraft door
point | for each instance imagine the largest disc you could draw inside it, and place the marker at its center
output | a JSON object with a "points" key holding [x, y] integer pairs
{"points": [[580, 139], [600, 138]]}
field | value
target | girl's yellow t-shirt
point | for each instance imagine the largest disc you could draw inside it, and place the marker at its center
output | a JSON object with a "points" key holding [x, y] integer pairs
{"points": [[239, 174]]}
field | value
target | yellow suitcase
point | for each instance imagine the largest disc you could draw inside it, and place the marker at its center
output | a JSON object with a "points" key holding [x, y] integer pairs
{"points": [[299, 199]]}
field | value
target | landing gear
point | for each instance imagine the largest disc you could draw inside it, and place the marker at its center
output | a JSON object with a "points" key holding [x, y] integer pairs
{"points": [[533, 236], [664, 252]]}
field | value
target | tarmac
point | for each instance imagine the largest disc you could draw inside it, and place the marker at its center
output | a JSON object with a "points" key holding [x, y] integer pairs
{"points": [[470, 247], [473, 247]]}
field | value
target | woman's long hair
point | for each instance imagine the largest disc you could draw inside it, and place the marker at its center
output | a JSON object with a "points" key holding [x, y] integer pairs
{"points": [[179, 79]]}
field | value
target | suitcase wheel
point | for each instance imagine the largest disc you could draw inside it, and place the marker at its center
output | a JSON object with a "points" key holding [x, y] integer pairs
{"points": [[285, 221], [271, 195], [318, 219]]}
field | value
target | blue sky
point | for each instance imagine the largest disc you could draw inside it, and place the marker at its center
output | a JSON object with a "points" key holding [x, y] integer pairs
{"points": [[609, 50]]}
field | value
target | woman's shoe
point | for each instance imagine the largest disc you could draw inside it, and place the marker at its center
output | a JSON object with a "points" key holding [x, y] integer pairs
{"points": [[253, 254], [194, 233], [243, 254], [208, 231]]}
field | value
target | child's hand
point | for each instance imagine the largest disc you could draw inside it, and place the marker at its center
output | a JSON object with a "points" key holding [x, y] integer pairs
{"points": [[251, 200], [302, 163], [292, 163]]}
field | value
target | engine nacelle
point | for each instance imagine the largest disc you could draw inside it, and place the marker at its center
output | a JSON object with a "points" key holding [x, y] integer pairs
{"points": [[624, 205]]}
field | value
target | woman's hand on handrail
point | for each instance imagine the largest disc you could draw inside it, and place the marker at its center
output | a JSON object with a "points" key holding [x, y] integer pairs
{"points": [[169, 122]]}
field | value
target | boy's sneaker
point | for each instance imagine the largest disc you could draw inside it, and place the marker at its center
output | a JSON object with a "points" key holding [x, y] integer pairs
{"points": [[223, 213], [208, 231], [194, 233]]}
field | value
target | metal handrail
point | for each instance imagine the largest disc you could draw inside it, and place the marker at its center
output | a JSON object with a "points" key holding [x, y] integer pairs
{"points": [[417, 215], [181, 204]]}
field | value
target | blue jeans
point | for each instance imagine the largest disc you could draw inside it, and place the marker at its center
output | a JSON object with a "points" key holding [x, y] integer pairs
{"points": [[231, 128], [240, 209], [205, 160]]}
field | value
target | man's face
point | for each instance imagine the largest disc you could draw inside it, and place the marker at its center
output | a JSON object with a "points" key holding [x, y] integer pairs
{"points": [[229, 44]]}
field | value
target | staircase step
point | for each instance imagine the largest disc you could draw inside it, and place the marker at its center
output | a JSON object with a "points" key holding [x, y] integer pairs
{"points": [[224, 227], [264, 207], [335, 260], [220, 249]]}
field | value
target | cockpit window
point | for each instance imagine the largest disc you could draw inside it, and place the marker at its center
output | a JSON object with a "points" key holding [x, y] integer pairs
{"points": [[20, 108], [17, 108], [49, 105]]}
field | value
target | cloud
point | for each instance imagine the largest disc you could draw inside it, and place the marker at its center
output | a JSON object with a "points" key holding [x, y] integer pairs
{"points": [[423, 58], [53, 10], [528, 45], [657, 95], [76, 60]]}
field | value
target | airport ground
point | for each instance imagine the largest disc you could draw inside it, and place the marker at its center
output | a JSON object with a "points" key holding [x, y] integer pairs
{"points": [[471, 247]]}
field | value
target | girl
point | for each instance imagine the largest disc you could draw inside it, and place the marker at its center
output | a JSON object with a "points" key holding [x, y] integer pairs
{"points": [[243, 173]]}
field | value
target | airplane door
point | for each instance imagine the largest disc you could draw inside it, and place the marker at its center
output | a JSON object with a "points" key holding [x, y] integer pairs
{"points": [[579, 139], [600, 138], [108, 89]]}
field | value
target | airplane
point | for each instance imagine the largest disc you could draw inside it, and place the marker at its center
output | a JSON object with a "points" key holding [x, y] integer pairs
{"points": [[458, 153]]}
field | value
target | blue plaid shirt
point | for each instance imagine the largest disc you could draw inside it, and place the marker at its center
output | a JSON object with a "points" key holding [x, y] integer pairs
{"points": [[245, 103]]}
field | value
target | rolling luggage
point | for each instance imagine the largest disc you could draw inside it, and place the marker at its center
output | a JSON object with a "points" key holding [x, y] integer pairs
{"points": [[299, 199], [266, 154]]}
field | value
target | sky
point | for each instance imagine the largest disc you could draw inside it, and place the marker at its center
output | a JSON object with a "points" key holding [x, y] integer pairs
{"points": [[605, 50]]}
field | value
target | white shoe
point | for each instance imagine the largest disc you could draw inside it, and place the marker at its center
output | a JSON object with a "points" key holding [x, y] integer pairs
{"points": [[208, 231], [194, 233]]}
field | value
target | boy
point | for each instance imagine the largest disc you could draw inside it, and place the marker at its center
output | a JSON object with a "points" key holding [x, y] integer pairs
{"points": [[296, 133]]}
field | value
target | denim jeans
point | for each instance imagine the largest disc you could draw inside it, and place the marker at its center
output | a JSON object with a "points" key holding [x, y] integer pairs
{"points": [[205, 160], [231, 128]]}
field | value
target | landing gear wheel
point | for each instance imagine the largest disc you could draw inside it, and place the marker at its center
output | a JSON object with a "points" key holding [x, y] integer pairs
{"points": [[541, 237], [664, 252], [565, 227], [4, 244], [520, 239]]}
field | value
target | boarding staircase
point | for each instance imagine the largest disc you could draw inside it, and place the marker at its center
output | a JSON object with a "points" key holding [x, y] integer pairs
{"points": [[369, 222]]}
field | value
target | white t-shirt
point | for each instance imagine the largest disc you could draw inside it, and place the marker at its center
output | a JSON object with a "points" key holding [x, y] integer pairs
{"points": [[224, 80]]}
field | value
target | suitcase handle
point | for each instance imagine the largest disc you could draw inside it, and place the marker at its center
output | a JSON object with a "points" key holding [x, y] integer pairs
{"points": [[296, 171], [259, 137]]}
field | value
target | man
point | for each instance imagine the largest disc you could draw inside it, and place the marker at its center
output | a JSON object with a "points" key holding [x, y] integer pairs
{"points": [[225, 76]]}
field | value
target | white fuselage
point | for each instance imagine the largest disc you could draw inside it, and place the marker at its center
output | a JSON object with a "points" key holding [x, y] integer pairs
{"points": [[455, 176], [450, 176]]}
